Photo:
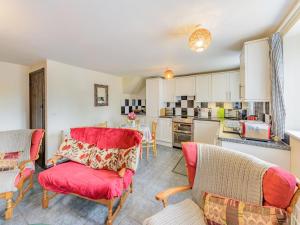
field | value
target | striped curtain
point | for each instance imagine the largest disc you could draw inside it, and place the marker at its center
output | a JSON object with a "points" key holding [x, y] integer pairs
{"points": [[277, 99]]}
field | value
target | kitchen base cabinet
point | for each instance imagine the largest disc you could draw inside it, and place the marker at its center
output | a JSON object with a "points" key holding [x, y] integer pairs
{"points": [[275, 156], [164, 131], [206, 131]]}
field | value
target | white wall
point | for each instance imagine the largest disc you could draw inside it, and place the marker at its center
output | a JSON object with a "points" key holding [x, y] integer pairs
{"points": [[14, 96], [291, 50], [70, 100]]}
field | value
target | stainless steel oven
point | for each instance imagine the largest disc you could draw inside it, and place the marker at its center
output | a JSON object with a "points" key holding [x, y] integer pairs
{"points": [[182, 130]]}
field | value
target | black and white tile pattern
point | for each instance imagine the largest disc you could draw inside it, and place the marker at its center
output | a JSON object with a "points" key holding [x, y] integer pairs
{"points": [[129, 105], [187, 106]]}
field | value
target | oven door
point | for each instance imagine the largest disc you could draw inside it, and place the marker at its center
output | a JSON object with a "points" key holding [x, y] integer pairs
{"points": [[179, 137], [182, 127]]}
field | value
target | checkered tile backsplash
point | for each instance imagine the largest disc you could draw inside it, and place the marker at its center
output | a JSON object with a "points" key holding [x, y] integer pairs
{"points": [[187, 106], [129, 105]]}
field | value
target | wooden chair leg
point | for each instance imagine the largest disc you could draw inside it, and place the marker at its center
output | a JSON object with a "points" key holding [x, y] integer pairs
{"points": [[131, 187], [141, 152], [147, 149], [110, 212], [9, 206], [45, 200]]}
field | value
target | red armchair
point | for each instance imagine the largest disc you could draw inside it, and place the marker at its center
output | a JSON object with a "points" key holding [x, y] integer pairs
{"points": [[98, 185], [280, 189], [26, 174]]}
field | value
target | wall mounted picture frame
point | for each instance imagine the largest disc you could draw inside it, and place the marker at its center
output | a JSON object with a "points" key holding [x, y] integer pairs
{"points": [[100, 95]]}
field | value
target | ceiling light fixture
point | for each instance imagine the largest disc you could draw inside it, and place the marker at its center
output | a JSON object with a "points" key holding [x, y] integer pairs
{"points": [[200, 39], [169, 74]]}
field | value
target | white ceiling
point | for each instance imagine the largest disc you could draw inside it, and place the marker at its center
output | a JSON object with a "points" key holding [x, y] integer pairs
{"points": [[133, 37]]}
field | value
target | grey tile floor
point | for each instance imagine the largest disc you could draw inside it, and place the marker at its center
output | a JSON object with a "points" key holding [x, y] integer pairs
{"points": [[152, 177]]}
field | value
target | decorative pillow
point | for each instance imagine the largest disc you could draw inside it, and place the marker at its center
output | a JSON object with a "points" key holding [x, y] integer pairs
{"points": [[104, 159], [278, 182], [76, 151], [219, 210], [9, 161], [128, 158]]}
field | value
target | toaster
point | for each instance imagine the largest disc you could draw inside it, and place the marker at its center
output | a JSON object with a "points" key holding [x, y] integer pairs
{"points": [[256, 130]]}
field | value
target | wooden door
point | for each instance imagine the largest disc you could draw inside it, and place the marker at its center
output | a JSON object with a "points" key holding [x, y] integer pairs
{"points": [[37, 107]]}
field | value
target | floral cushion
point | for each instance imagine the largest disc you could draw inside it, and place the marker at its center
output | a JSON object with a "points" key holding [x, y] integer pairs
{"points": [[128, 158], [104, 159], [220, 210], [9, 161], [76, 151]]}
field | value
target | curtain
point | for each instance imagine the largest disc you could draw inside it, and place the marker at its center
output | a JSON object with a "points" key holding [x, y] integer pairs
{"points": [[277, 99]]}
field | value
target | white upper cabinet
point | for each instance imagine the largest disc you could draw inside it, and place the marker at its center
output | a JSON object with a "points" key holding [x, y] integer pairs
{"points": [[153, 96], [219, 87], [255, 71], [169, 90], [203, 88], [185, 86], [234, 86], [226, 86]]}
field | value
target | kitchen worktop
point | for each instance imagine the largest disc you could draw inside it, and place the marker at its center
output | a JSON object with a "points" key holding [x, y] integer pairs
{"points": [[236, 138]]}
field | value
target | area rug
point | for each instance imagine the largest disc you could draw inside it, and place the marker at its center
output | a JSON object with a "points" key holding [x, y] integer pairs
{"points": [[180, 167]]}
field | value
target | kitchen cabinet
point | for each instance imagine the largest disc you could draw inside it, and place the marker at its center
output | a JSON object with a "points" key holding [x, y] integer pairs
{"points": [[164, 131], [185, 86], [203, 88], [225, 86], [234, 86], [154, 93], [206, 131], [219, 87], [275, 156], [255, 82], [169, 90]]}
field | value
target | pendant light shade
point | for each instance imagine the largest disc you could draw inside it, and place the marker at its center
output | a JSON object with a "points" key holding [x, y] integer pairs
{"points": [[200, 39], [169, 74]]}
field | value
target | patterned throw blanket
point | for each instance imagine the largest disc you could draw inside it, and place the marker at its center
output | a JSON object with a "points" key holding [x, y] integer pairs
{"points": [[228, 173], [14, 141]]}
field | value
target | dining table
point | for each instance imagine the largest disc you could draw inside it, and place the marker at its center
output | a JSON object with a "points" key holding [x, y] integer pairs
{"points": [[144, 129]]}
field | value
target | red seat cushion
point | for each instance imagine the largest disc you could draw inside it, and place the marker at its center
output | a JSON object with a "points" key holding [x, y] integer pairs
{"points": [[72, 177], [278, 187], [37, 135]]}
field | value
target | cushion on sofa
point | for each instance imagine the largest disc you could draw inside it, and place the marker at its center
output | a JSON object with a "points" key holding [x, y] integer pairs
{"points": [[184, 213], [35, 143], [104, 159], [72, 177], [220, 210], [74, 150], [105, 138], [278, 183]]}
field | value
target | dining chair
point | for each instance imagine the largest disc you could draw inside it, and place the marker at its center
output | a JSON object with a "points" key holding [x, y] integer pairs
{"points": [[104, 124], [151, 142]]}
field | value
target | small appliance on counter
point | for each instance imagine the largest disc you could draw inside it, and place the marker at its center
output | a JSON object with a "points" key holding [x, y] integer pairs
{"points": [[169, 112], [232, 126], [256, 130]]}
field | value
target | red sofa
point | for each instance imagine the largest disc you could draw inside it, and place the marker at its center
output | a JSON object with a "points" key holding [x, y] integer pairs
{"points": [[279, 186], [26, 174], [102, 186]]}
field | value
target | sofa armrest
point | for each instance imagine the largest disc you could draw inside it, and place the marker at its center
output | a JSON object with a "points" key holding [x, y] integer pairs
{"points": [[53, 160], [164, 195]]}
